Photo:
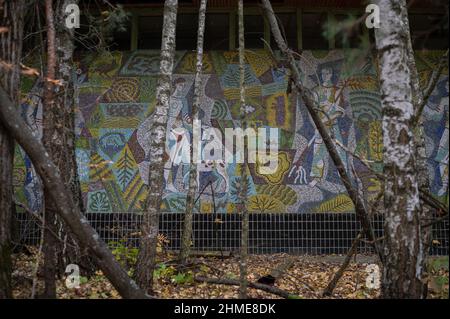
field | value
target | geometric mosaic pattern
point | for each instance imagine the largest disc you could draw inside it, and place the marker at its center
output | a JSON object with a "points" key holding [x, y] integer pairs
{"points": [[116, 95]]}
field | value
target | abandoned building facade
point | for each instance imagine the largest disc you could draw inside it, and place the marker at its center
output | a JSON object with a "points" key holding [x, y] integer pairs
{"points": [[302, 206]]}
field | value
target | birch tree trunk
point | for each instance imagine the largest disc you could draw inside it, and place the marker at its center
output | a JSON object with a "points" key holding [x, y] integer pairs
{"points": [[243, 283], [421, 158], [70, 250], [190, 198], [66, 209], [403, 248], [12, 18], [150, 224], [59, 140], [310, 104]]}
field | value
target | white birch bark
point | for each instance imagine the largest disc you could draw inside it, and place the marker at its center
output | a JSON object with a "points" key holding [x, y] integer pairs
{"points": [[190, 198], [150, 224], [402, 269]]}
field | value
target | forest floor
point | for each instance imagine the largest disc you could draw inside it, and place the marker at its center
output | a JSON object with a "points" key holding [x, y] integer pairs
{"points": [[306, 278]]}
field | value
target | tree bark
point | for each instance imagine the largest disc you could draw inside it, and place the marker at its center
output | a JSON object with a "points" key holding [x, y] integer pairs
{"points": [[190, 198], [52, 139], [421, 157], [12, 18], [71, 252], [403, 249], [307, 97], [59, 140], [243, 282], [66, 209], [150, 225]]}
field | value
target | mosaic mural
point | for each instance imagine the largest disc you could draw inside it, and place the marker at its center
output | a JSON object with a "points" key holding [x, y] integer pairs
{"points": [[116, 95]]}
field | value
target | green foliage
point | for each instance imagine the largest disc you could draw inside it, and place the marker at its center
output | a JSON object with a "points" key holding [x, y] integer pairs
{"points": [[231, 275], [183, 278], [125, 255], [170, 273], [438, 272], [439, 286], [162, 271], [101, 27], [346, 29], [204, 269], [435, 264], [83, 280], [333, 27]]}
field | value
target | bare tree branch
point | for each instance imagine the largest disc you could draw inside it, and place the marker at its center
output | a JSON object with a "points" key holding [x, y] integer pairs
{"points": [[328, 291], [311, 105], [233, 282], [434, 78]]}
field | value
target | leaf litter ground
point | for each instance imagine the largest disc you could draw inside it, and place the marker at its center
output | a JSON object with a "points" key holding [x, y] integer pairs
{"points": [[306, 278]]}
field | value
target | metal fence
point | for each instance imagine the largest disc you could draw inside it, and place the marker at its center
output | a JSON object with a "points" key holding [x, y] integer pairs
{"points": [[315, 233]]}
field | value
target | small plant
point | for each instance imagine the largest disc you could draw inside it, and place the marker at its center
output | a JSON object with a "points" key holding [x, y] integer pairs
{"points": [[125, 255], [163, 271], [83, 280], [169, 273], [183, 278], [438, 283]]}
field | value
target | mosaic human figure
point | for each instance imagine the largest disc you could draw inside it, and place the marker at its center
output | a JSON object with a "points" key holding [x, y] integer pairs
{"points": [[177, 149], [213, 166], [177, 138], [329, 98]]}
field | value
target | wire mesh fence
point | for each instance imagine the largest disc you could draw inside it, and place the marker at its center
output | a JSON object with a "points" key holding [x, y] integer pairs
{"points": [[314, 233]]}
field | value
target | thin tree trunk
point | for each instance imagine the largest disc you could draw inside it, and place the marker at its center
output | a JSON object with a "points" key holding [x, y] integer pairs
{"points": [[190, 198], [59, 140], [150, 225], [403, 249], [328, 291], [243, 282], [65, 45], [52, 139], [66, 209], [11, 17], [310, 104], [68, 250], [255, 285], [421, 157]]}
